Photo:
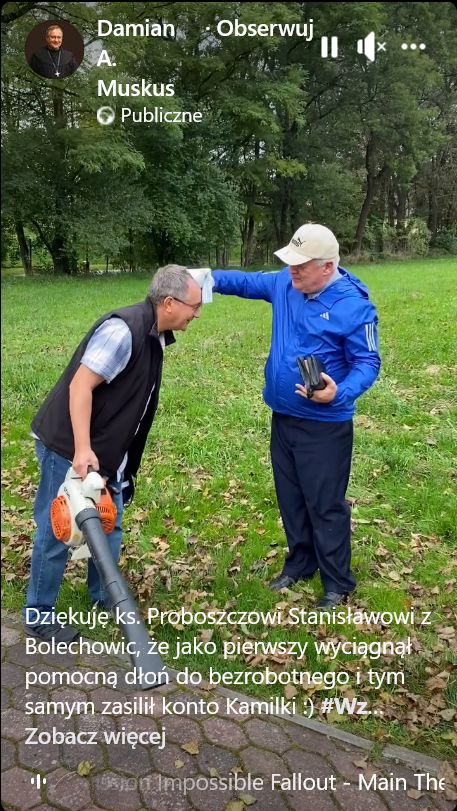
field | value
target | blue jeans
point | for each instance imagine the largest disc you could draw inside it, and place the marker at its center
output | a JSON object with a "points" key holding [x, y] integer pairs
{"points": [[49, 556]]}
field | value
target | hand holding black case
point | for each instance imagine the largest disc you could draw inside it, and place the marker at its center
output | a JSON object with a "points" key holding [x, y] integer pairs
{"points": [[311, 369]]}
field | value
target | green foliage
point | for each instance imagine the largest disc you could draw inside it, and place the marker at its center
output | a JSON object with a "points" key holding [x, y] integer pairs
{"points": [[446, 240], [286, 136], [417, 237]]}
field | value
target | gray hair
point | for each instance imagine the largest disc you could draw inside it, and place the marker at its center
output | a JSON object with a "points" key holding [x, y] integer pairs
{"points": [[52, 27], [171, 280], [335, 260]]}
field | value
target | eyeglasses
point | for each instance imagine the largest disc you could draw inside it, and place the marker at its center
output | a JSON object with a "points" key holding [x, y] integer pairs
{"points": [[194, 307]]}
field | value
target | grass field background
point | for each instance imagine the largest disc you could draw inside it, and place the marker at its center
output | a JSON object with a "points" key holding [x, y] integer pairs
{"points": [[204, 531]]}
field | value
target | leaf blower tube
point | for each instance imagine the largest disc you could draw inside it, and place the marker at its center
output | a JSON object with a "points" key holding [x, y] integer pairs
{"points": [[79, 514], [124, 608]]}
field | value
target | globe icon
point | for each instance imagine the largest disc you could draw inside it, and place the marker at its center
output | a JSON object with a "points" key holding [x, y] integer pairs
{"points": [[105, 115]]}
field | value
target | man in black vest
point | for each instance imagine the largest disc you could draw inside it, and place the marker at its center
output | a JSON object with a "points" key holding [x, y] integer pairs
{"points": [[52, 61], [98, 415]]}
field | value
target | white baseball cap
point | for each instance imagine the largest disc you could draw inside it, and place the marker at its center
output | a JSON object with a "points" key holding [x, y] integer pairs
{"points": [[311, 241]]}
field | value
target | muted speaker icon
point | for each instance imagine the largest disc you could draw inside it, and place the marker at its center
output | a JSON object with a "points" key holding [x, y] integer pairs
{"points": [[367, 46]]}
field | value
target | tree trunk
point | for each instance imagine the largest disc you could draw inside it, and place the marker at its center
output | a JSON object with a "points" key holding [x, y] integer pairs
{"points": [[64, 260], [284, 229], [249, 225], [391, 206], [402, 199], [87, 263], [62, 253], [374, 179], [379, 215], [24, 250], [248, 244], [221, 257], [433, 213], [362, 223], [402, 196], [131, 266]]}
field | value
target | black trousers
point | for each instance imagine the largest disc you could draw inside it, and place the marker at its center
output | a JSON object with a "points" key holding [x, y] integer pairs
{"points": [[311, 466]]}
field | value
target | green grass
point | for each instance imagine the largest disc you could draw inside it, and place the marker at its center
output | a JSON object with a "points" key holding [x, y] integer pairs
{"points": [[205, 515]]}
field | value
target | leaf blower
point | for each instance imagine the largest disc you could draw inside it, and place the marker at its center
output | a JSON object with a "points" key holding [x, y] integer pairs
{"points": [[82, 514]]}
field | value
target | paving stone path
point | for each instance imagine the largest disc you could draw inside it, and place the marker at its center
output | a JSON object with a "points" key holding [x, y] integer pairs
{"points": [[199, 748]]}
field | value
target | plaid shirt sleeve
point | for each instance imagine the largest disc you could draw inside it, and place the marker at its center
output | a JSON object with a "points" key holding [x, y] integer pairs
{"points": [[109, 349]]}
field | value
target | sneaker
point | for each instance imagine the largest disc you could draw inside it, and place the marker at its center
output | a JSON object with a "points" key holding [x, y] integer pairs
{"points": [[61, 633]]}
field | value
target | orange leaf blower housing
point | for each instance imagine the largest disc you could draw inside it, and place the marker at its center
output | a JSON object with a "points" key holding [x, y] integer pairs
{"points": [[62, 520], [107, 511]]}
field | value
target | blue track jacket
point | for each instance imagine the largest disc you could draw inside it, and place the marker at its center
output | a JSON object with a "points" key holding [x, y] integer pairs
{"points": [[339, 326]]}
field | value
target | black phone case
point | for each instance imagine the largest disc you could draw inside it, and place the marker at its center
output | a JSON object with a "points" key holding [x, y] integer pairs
{"points": [[311, 368]]}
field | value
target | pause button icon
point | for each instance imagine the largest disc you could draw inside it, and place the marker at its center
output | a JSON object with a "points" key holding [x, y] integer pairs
{"points": [[333, 47]]}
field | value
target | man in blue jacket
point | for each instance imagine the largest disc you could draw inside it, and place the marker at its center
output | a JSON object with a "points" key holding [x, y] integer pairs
{"points": [[318, 309]]}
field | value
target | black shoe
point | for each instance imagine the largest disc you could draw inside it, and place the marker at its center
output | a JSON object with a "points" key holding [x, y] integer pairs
{"points": [[332, 598], [283, 581], [61, 633]]}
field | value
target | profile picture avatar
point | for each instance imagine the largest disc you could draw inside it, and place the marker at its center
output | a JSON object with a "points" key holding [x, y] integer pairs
{"points": [[54, 49]]}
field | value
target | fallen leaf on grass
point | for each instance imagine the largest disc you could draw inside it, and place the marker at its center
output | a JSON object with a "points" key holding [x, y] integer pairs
{"points": [[294, 597], [248, 799], [381, 551], [235, 566], [450, 736], [438, 682], [449, 773], [235, 805], [179, 763], [446, 633], [448, 715], [334, 717]]}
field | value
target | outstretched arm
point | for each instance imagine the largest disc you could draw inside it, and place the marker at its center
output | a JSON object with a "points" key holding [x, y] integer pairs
{"points": [[246, 285]]}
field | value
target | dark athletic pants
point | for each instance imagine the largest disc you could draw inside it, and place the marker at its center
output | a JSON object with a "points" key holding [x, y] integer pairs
{"points": [[311, 466]]}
